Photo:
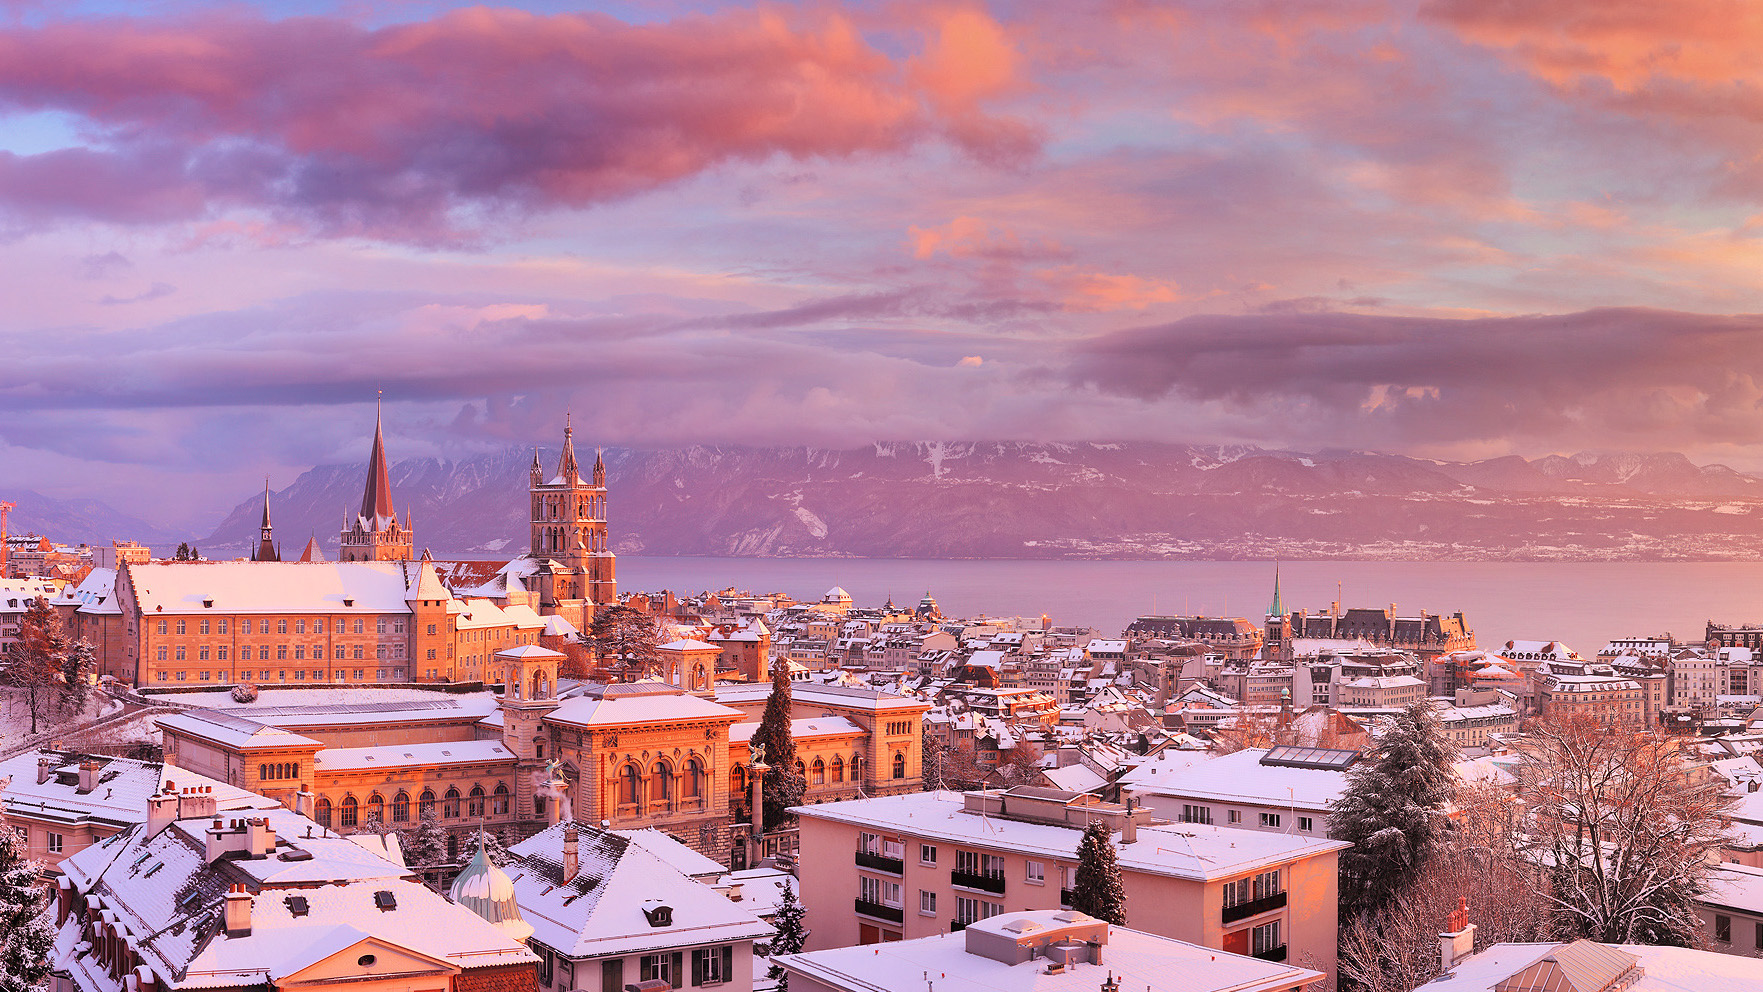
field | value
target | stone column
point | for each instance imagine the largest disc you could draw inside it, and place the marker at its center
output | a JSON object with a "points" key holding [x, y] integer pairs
{"points": [[758, 835]]}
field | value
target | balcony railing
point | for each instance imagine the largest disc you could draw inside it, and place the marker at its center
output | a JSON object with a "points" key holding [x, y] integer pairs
{"points": [[1244, 910], [992, 882], [1272, 953], [880, 862], [879, 911]]}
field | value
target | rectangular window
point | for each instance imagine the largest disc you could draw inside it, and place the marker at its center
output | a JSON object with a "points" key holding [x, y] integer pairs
{"points": [[318, 626], [431, 630], [927, 903], [281, 652], [1270, 819], [183, 627], [356, 654], [180, 652], [162, 676], [205, 677], [1264, 938], [713, 965], [1306, 824], [927, 854], [379, 625], [55, 843], [300, 626], [358, 627], [160, 652], [1196, 814], [281, 626], [1760, 936], [183, 676], [1723, 928], [1234, 816], [655, 967], [263, 653], [202, 626], [160, 627], [222, 623], [397, 626], [300, 654], [220, 653], [1036, 872]]}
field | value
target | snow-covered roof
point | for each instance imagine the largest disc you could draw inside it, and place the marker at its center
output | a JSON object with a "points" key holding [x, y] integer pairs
{"points": [[804, 729], [1135, 959], [1241, 777], [1181, 850], [436, 755], [120, 795], [822, 694], [1736, 887], [1666, 969], [1074, 778], [232, 731], [639, 702], [272, 587], [669, 849], [687, 644], [96, 593], [601, 910]]}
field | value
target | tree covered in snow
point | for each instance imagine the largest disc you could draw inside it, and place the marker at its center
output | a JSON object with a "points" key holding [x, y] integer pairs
{"points": [[25, 933], [494, 844], [77, 664], [35, 659], [1098, 890], [626, 640], [784, 785], [1623, 831], [425, 845], [1393, 810], [791, 934]]}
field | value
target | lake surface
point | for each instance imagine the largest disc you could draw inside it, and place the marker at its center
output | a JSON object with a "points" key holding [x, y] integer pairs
{"points": [[1581, 604]]}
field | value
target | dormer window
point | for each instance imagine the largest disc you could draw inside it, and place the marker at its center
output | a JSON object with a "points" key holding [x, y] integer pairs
{"points": [[658, 914]]}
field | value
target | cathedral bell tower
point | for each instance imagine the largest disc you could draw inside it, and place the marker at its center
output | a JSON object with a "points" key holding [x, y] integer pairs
{"points": [[569, 538], [375, 534], [529, 693]]}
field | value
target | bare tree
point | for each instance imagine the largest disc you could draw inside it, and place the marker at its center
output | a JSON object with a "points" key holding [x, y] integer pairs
{"points": [[1623, 832]]}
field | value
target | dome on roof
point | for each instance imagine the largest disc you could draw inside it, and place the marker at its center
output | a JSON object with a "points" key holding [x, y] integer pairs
{"points": [[487, 891], [836, 595]]}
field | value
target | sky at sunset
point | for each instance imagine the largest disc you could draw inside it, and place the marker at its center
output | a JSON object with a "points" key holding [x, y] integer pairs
{"points": [[1453, 229]]}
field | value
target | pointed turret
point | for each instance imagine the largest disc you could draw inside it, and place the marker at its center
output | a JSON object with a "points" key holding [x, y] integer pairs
{"points": [[266, 548], [599, 469], [538, 471], [1278, 607], [566, 467], [376, 500]]}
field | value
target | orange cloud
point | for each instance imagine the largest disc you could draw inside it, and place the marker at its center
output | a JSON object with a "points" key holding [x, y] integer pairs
{"points": [[971, 237]]}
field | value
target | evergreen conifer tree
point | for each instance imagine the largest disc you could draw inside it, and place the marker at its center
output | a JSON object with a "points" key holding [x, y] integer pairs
{"points": [[425, 845], [495, 848], [25, 933], [1098, 890], [790, 934], [1393, 811], [784, 786]]}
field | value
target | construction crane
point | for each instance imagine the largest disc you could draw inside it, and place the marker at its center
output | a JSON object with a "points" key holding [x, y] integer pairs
{"points": [[5, 508]]}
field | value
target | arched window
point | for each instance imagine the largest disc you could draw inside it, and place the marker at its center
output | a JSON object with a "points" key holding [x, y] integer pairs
{"points": [[899, 764], [802, 770], [819, 776], [630, 785], [660, 783], [692, 783], [699, 679], [856, 767], [499, 804], [838, 768], [322, 813], [452, 848], [401, 807], [426, 804], [738, 780], [474, 807], [376, 809], [450, 804], [350, 812]]}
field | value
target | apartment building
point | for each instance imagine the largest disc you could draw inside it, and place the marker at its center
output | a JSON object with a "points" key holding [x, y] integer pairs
{"points": [[1285, 790], [911, 866]]}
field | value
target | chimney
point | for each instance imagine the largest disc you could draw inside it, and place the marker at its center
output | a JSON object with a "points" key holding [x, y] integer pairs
{"points": [[90, 771], [196, 802], [259, 837], [162, 811], [571, 859], [303, 801], [1460, 942], [238, 912], [46, 766], [1129, 824]]}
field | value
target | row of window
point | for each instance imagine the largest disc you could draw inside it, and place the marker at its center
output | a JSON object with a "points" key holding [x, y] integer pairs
{"points": [[350, 813], [281, 626], [181, 652], [342, 675], [660, 784], [1722, 929], [1252, 888], [1203, 814]]}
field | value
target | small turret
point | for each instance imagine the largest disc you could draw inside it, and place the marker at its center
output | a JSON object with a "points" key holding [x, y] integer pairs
{"points": [[538, 471], [599, 469]]}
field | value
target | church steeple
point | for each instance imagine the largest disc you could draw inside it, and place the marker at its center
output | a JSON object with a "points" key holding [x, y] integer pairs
{"points": [[376, 499], [1277, 608], [566, 467], [375, 534], [266, 549]]}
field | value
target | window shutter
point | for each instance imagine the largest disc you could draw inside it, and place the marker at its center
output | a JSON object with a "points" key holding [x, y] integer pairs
{"points": [[698, 966], [679, 966], [728, 958]]}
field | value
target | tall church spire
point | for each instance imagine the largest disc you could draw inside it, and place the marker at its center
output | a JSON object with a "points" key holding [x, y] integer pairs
{"points": [[1278, 607], [266, 549], [566, 467], [376, 500]]}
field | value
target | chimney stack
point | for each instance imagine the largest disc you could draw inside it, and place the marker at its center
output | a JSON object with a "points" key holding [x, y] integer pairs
{"points": [[259, 837], [91, 771], [238, 912], [46, 766], [571, 858], [162, 810], [1129, 824], [1460, 942], [303, 801]]}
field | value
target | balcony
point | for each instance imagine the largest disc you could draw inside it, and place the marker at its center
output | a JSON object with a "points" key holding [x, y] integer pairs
{"points": [[992, 882], [1244, 910], [879, 862], [1272, 953], [879, 911]]}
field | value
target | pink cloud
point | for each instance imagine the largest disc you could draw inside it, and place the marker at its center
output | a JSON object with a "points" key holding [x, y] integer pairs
{"points": [[414, 130]]}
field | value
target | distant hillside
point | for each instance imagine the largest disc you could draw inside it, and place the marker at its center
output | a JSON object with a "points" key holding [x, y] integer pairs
{"points": [[1090, 500], [78, 521]]}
